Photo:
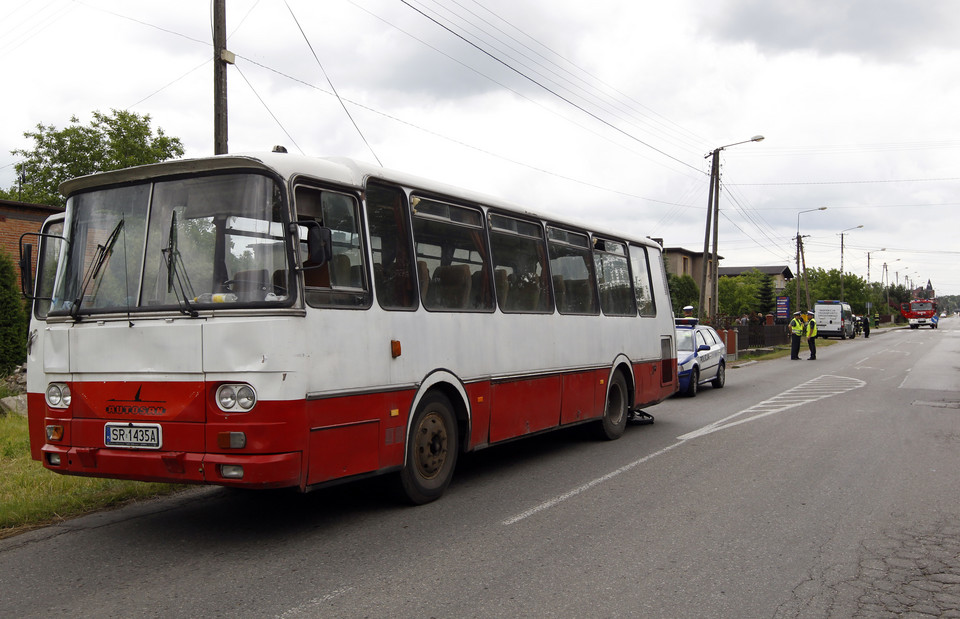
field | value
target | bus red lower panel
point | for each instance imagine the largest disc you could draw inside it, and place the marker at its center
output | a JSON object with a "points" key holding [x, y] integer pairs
{"points": [[350, 449], [655, 381], [579, 396], [524, 406], [356, 434]]}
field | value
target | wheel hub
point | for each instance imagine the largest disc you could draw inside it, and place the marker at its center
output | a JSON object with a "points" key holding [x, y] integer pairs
{"points": [[431, 445]]}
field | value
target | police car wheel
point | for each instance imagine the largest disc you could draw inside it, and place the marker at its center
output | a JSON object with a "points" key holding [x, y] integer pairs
{"points": [[721, 378], [694, 383]]}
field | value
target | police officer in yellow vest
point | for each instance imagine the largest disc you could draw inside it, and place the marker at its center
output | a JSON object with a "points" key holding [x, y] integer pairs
{"points": [[812, 335], [797, 329]]}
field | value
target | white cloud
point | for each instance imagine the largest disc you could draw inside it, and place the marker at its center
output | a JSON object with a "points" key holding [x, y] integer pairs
{"points": [[853, 91]]}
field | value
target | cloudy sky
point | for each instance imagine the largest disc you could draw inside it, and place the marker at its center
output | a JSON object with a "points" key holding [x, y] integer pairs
{"points": [[603, 111]]}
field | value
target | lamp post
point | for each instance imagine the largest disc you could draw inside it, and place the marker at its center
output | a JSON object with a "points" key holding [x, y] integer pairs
{"points": [[810, 210], [713, 212], [874, 251], [842, 233], [886, 278]]}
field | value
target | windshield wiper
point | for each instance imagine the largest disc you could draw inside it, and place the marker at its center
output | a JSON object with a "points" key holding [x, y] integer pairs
{"points": [[175, 267], [100, 259]]}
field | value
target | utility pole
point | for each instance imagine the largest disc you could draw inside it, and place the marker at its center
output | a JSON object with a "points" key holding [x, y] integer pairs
{"points": [[715, 262], [806, 286], [713, 208], [221, 58], [843, 232], [705, 276], [841, 266], [798, 274]]}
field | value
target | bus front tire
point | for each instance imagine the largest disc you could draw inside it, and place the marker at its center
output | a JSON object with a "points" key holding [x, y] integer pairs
{"points": [[432, 449], [614, 420]]}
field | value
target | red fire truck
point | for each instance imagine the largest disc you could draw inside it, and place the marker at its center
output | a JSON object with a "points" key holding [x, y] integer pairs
{"points": [[920, 312]]}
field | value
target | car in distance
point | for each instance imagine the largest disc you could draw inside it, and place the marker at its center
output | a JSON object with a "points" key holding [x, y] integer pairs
{"points": [[701, 356]]}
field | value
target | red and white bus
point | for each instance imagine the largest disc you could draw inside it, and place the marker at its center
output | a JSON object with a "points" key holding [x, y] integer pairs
{"points": [[273, 320], [920, 312]]}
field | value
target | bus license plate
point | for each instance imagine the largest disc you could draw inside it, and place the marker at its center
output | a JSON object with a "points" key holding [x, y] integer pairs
{"points": [[133, 435]]}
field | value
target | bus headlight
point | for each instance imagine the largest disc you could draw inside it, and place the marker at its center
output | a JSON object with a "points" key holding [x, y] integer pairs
{"points": [[236, 398], [58, 395]]}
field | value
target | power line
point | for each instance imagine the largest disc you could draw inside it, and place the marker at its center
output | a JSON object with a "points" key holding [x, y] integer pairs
{"points": [[559, 76], [860, 182], [461, 143], [269, 111], [332, 87], [585, 72], [547, 89], [515, 92]]}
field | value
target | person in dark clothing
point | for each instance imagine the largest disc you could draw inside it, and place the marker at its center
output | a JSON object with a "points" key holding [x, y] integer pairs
{"points": [[866, 326]]}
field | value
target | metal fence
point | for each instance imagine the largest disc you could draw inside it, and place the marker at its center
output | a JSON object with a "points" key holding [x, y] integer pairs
{"points": [[761, 336]]}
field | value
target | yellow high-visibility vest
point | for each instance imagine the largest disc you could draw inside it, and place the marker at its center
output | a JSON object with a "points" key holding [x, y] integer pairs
{"points": [[797, 326]]}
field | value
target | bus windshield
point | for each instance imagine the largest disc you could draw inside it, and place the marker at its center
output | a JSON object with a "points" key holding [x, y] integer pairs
{"points": [[187, 244]]}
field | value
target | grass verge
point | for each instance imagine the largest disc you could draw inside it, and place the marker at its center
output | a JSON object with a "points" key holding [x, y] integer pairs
{"points": [[31, 496]]}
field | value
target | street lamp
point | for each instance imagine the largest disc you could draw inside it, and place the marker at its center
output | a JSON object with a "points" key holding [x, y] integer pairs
{"points": [[874, 251], [843, 232], [713, 211], [799, 252]]}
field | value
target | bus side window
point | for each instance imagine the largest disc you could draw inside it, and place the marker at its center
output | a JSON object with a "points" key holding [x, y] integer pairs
{"points": [[616, 296], [642, 287], [451, 254], [341, 282], [47, 256], [572, 267], [393, 277], [519, 265]]}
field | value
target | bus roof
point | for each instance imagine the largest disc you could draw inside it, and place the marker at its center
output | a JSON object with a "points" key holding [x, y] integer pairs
{"points": [[340, 170]]}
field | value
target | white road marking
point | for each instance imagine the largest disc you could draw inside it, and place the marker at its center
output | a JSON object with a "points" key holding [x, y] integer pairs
{"points": [[309, 608], [811, 391]]}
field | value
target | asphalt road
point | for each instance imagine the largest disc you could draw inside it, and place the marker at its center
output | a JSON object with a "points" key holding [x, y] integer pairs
{"points": [[825, 488]]}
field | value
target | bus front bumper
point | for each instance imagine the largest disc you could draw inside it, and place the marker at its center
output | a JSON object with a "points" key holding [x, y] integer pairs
{"points": [[240, 470]]}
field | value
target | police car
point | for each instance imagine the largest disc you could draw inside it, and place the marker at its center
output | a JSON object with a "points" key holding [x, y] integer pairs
{"points": [[701, 356]]}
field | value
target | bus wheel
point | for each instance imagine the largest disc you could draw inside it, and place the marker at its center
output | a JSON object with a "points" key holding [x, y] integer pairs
{"points": [[431, 450], [614, 420]]}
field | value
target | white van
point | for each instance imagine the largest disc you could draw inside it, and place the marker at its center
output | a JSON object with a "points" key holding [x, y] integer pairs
{"points": [[834, 319]]}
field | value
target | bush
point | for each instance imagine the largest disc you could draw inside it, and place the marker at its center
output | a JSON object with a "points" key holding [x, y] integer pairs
{"points": [[13, 318]]}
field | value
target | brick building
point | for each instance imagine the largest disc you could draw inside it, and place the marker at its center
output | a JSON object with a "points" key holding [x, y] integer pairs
{"points": [[17, 218]]}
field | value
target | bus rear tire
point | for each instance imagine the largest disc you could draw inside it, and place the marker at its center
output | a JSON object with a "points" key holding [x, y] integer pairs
{"points": [[432, 449], [614, 420]]}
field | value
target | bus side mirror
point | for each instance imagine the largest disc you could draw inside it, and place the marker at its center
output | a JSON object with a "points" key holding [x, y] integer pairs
{"points": [[319, 242], [26, 268]]}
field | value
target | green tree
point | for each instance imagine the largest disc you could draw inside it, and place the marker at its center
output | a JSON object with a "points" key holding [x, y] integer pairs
{"points": [[766, 299], [110, 142], [13, 318], [683, 291], [737, 295], [826, 285]]}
